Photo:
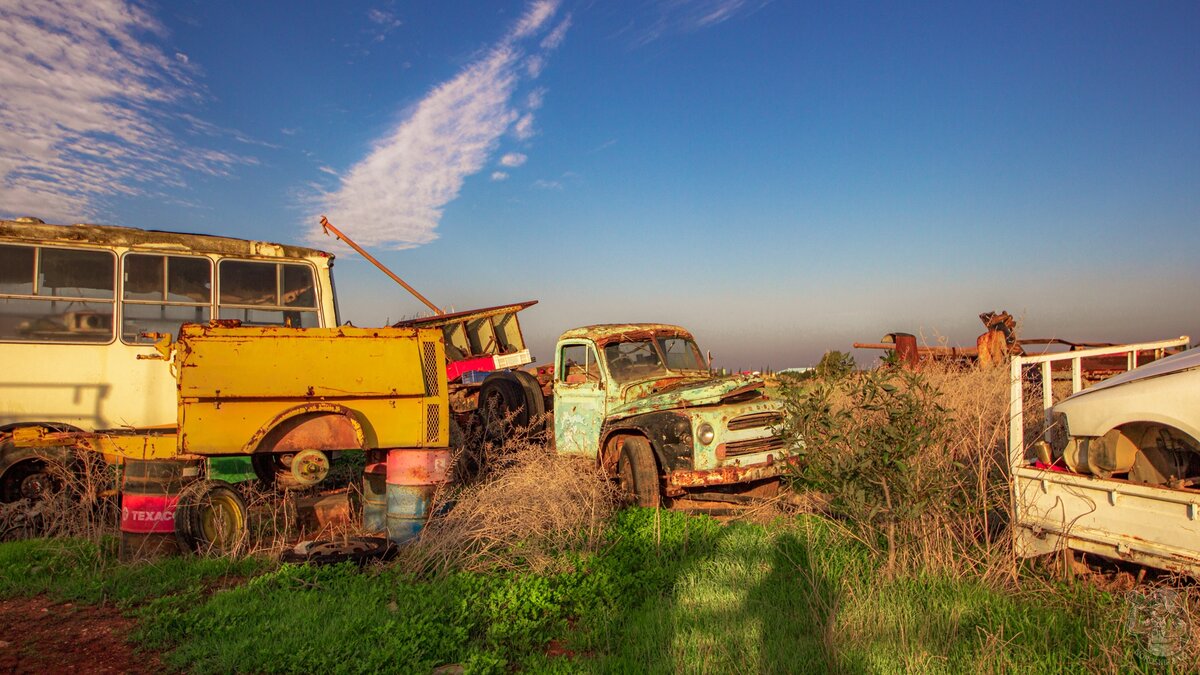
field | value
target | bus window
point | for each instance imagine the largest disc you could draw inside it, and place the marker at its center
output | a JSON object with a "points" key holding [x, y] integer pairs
{"points": [[56, 295], [161, 292], [267, 293]]}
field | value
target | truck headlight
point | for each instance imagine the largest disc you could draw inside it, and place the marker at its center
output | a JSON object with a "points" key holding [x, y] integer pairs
{"points": [[705, 434]]}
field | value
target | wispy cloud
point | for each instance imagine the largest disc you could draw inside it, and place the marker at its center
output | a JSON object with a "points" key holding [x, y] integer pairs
{"points": [[513, 160], [89, 100], [383, 22], [543, 184], [499, 175], [394, 197], [523, 129], [686, 16]]}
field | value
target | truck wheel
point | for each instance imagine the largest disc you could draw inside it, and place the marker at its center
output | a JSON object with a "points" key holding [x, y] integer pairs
{"points": [[637, 473], [291, 470], [29, 479], [210, 517], [28, 473], [535, 402], [501, 406]]}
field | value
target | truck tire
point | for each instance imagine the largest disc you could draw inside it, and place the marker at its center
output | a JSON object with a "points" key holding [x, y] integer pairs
{"points": [[501, 407], [535, 402], [637, 473], [26, 473], [211, 517]]}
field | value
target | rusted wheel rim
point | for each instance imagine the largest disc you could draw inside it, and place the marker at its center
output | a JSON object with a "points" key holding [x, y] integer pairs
{"points": [[222, 521], [309, 467]]}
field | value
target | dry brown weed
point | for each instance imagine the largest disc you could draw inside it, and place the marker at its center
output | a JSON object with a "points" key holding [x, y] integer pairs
{"points": [[529, 504]]}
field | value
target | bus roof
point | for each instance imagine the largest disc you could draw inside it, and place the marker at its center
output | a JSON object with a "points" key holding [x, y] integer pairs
{"points": [[33, 231]]}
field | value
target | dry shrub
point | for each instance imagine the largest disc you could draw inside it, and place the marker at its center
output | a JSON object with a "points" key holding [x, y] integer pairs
{"points": [[82, 503], [528, 505], [970, 465], [943, 497]]}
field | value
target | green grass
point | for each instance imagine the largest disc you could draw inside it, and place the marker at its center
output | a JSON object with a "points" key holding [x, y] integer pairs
{"points": [[668, 593], [85, 572]]}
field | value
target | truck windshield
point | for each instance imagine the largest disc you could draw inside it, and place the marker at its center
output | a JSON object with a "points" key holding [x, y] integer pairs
{"points": [[643, 359]]}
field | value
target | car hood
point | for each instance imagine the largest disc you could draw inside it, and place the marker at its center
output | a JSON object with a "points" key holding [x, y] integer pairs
{"points": [[1176, 363], [688, 394]]}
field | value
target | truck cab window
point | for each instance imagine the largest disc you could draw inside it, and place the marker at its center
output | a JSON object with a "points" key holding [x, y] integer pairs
{"points": [[579, 365], [56, 295]]}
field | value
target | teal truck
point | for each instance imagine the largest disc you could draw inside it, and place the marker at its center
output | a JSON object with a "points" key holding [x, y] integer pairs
{"points": [[639, 399]]}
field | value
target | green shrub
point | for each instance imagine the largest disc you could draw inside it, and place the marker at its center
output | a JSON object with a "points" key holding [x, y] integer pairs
{"points": [[861, 436]]}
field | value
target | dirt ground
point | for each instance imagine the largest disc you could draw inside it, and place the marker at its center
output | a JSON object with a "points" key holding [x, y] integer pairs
{"points": [[41, 636]]}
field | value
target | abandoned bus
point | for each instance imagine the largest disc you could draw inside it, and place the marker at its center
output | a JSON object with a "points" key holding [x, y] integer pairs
{"points": [[77, 303]]}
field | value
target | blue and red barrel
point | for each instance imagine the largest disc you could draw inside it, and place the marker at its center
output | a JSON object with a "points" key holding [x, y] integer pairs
{"points": [[413, 478]]}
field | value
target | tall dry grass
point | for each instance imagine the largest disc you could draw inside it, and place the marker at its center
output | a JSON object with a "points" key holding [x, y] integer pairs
{"points": [[519, 505], [80, 503], [956, 500], [969, 466]]}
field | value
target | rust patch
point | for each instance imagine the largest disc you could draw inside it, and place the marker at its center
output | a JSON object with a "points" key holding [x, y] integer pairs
{"points": [[151, 240], [330, 431], [603, 334], [678, 481]]}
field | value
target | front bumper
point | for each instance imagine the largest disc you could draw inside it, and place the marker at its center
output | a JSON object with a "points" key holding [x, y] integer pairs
{"points": [[680, 481]]}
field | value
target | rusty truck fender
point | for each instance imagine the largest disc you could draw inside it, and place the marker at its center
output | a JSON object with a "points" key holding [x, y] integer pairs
{"points": [[669, 433], [310, 426]]}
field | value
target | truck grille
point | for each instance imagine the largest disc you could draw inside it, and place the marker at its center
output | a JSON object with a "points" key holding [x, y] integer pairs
{"points": [[754, 445], [755, 420]]}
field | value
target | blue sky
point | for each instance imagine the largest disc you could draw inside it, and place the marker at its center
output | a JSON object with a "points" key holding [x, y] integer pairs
{"points": [[783, 178]]}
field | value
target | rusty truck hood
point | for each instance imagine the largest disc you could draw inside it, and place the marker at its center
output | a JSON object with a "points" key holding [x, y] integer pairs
{"points": [[687, 392]]}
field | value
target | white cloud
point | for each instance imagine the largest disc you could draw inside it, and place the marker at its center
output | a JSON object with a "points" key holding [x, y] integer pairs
{"points": [[384, 23], [686, 16], [513, 160], [534, 65], [327, 169], [394, 197], [523, 129], [556, 36], [83, 117], [535, 17], [499, 175]]}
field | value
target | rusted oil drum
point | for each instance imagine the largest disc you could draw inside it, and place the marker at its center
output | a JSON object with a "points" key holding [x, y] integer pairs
{"points": [[906, 349], [413, 476], [149, 493], [374, 500]]}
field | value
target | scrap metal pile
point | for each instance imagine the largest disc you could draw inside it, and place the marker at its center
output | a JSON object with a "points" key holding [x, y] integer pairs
{"points": [[999, 342]]}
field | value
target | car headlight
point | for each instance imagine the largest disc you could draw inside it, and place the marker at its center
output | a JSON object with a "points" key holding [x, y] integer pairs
{"points": [[705, 434]]}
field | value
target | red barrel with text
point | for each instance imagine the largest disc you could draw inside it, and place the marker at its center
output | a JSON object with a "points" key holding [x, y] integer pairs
{"points": [[149, 494]]}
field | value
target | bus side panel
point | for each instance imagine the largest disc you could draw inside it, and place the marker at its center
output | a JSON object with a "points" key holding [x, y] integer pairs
{"points": [[85, 386]]}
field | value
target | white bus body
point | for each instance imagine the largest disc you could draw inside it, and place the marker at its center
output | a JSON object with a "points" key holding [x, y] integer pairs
{"points": [[76, 300]]}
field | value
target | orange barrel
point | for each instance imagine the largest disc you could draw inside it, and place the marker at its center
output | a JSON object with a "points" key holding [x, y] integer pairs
{"points": [[375, 506], [906, 349], [413, 476], [149, 492]]}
